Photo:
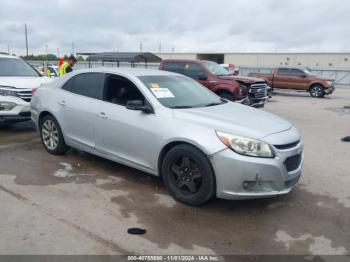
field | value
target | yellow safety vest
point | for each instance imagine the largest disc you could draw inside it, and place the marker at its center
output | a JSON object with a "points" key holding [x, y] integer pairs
{"points": [[63, 68]]}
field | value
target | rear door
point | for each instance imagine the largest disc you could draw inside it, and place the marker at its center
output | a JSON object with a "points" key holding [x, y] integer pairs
{"points": [[283, 78], [79, 102]]}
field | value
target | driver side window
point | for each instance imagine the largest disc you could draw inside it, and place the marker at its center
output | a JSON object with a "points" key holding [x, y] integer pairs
{"points": [[194, 71], [119, 90]]}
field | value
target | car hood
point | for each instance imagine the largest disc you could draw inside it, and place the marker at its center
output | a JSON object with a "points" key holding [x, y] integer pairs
{"points": [[235, 119], [248, 79], [245, 79], [23, 81]]}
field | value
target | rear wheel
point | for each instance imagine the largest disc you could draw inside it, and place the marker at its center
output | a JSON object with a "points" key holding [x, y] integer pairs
{"points": [[317, 91], [51, 136], [188, 175]]}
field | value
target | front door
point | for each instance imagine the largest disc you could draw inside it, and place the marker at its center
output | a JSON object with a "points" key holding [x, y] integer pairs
{"points": [[125, 135]]}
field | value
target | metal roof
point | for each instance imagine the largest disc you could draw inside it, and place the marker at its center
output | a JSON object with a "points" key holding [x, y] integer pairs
{"points": [[132, 57]]}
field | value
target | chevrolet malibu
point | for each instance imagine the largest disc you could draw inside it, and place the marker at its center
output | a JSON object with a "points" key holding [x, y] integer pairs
{"points": [[170, 126]]}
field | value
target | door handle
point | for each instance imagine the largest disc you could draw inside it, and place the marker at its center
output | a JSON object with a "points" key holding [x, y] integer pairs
{"points": [[62, 103], [102, 115]]}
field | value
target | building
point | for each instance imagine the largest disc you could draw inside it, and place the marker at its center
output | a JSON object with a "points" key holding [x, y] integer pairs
{"points": [[316, 61]]}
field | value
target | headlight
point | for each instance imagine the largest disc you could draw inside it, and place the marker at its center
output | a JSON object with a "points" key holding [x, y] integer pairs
{"points": [[246, 146], [6, 91], [7, 106], [243, 90], [330, 83]]}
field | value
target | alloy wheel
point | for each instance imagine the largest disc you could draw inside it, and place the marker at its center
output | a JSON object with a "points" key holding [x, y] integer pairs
{"points": [[316, 91], [49, 133], [186, 175]]}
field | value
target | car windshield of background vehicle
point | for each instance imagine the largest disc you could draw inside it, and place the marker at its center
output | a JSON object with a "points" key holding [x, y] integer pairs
{"points": [[180, 92], [216, 69], [308, 71], [16, 67]]}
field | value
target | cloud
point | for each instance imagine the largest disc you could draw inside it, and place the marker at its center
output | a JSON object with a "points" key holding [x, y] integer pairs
{"points": [[198, 26]]}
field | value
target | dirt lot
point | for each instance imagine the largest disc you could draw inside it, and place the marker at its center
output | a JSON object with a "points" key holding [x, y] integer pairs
{"points": [[82, 204]]}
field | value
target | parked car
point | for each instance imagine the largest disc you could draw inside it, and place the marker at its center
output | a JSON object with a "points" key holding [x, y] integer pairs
{"points": [[298, 79], [54, 70], [250, 91], [170, 126], [17, 80]]}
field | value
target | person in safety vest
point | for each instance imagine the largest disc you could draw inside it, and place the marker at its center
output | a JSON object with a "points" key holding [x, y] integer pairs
{"points": [[66, 67]]}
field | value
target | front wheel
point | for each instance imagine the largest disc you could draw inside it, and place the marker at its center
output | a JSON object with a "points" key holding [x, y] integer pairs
{"points": [[51, 136], [317, 91], [188, 175]]}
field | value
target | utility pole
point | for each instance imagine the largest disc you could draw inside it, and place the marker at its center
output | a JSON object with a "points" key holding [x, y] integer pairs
{"points": [[8, 49], [26, 35], [160, 48], [72, 48], [140, 46], [173, 49], [58, 53]]}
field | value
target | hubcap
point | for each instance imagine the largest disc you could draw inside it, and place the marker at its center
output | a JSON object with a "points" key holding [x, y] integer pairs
{"points": [[49, 134], [186, 175], [317, 91]]}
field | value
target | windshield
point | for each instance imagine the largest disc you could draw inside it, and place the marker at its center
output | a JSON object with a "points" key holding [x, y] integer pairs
{"points": [[16, 67], [215, 68], [308, 71], [180, 92]]}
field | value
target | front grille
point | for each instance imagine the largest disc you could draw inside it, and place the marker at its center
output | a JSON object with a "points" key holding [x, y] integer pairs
{"points": [[258, 90], [287, 146], [25, 94], [292, 163]]}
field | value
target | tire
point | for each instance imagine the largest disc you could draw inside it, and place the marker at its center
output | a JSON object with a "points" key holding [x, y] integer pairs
{"points": [[188, 175], [51, 136], [226, 95], [317, 91]]}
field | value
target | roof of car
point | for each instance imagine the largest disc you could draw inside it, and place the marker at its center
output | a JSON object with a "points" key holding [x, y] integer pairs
{"points": [[135, 57], [129, 71]]}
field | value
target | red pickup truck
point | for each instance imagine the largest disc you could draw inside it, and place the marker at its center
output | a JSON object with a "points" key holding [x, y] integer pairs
{"points": [[298, 79], [247, 90]]}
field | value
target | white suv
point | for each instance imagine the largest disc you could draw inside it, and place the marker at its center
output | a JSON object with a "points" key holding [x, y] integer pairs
{"points": [[17, 81]]}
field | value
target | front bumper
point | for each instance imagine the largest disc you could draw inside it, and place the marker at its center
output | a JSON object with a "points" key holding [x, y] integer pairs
{"points": [[9, 119], [242, 177], [21, 112], [329, 90]]}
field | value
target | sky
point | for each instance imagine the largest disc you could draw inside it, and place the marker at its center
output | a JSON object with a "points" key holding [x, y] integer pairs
{"points": [[185, 25]]}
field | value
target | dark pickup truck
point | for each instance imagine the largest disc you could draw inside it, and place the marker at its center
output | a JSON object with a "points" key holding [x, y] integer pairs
{"points": [[298, 79], [247, 90]]}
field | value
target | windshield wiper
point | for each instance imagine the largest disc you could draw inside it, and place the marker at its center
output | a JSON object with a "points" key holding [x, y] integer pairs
{"points": [[180, 107], [215, 104]]}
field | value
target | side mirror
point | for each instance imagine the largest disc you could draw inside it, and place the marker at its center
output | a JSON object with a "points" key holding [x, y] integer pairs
{"points": [[138, 105], [202, 77]]}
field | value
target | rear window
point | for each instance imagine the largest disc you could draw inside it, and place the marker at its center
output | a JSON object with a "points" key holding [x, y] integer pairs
{"points": [[283, 71], [87, 84], [174, 67]]}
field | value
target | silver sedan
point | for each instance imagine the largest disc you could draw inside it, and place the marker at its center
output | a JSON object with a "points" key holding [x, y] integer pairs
{"points": [[170, 126]]}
